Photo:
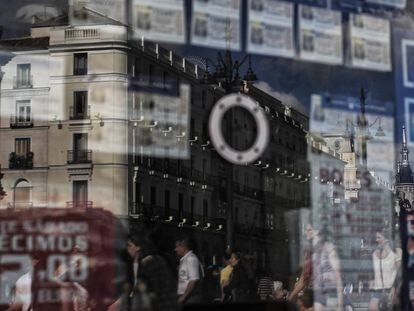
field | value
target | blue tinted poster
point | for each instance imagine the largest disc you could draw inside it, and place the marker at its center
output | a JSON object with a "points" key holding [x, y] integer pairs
{"points": [[320, 35], [159, 20], [407, 50], [370, 42], [409, 118], [216, 24], [400, 4], [403, 53], [270, 28]]}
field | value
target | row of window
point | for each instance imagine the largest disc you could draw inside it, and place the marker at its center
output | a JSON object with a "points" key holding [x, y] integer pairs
{"points": [[22, 151], [24, 78], [153, 201], [163, 78], [24, 117], [22, 193], [22, 146]]}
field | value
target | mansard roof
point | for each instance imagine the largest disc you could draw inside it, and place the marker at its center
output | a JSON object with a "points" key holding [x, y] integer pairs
{"points": [[89, 17], [24, 43]]}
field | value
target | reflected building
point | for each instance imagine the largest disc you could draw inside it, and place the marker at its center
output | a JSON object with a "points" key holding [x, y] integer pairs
{"points": [[63, 116], [68, 133], [367, 202], [404, 184], [218, 203]]}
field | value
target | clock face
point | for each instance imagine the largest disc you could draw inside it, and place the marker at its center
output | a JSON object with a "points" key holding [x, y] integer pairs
{"points": [[235, 156], [337, 145]]}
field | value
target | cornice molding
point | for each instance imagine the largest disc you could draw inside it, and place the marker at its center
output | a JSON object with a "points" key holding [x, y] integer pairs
{"points": [[111, 77], [25, 92]]}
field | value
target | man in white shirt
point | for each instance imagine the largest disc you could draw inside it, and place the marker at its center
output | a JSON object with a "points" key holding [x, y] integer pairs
{"points": [[23, 289], [189, 273], [23, 294]]}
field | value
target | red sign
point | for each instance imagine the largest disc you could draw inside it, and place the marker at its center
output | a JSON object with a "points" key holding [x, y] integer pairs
{"points": [[58, 259]]}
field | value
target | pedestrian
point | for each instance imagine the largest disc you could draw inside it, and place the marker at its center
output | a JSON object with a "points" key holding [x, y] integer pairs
{"points": [[305, 302], [303, 284], [225, 276], [386, 263], [320, 272], [279, 293], [23, 289], [240, 286], [211, 284], [154, 285], [265, 286], [190, 273]]}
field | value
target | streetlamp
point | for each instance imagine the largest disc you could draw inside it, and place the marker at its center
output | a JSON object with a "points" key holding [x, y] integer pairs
{"points": [[360, 130], [227, 72], [227, 76]]}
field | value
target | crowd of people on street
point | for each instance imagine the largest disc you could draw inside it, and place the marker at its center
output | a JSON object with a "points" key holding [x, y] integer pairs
{"points": [[320, 281], [158, 280], [191, 282]]}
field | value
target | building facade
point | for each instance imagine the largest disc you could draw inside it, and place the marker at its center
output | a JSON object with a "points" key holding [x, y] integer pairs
{"points": [[68, 126], [64, 117]]}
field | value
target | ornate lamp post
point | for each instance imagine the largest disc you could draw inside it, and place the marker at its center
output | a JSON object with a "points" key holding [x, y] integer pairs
{"points": [[227, 76], [360, 130]]}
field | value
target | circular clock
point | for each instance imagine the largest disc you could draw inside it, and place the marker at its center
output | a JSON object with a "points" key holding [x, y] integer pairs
{"points": [[217, 138]]}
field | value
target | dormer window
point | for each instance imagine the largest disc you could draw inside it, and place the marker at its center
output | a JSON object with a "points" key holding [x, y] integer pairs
{"points": [[24, 77]]}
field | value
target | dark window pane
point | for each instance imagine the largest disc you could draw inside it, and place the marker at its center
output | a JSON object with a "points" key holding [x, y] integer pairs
{"points": [[80, 64]]}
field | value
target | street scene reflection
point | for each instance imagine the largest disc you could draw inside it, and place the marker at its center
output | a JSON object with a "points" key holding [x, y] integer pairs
{"points": [[206, 154]]}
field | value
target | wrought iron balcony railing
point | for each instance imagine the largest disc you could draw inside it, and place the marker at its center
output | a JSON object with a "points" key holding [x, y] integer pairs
{"points": [[21, 162], [79, 156], [79, 204], [148, 210], [175, 170], [20, 122], [136, 208], [22, 83], [79, 115], [247, 191]]}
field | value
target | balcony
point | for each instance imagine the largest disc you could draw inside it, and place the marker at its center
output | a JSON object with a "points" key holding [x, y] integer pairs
{"points": [[252, 231], [79, 204], [179, 171], [82, 33], [354, 184], [19, 205], [21, 162], [22, 83], [79, 115], [151, 211], [136, 208], [20, 122], [243, 190], [79, 156]]}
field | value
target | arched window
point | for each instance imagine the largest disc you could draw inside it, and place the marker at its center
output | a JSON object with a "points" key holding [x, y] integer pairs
{"points": [[22, 194]]}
